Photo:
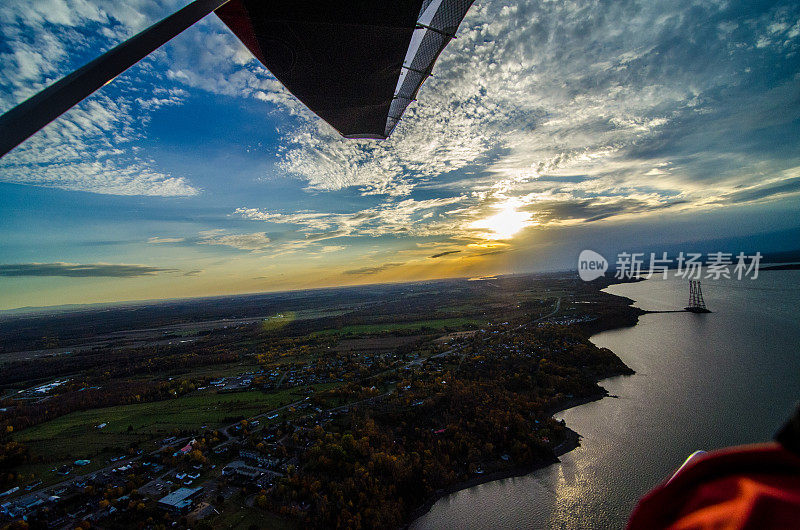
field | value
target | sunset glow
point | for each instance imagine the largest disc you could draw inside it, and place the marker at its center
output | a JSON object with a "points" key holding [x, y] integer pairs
{"points": [[197, 173], [505, 224]]}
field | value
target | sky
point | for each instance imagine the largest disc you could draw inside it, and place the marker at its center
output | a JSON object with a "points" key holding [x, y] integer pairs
{"points": [[548, 127]]}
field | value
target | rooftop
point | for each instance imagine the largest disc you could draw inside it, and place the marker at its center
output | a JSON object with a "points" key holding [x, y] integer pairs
{"points": [[180, 498]]}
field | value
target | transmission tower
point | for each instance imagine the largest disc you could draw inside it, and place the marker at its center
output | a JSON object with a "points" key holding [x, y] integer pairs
{"points": [[696, 302]]}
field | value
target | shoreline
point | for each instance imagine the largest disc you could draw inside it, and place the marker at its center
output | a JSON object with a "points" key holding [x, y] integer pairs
{"points": [[572, 440]]}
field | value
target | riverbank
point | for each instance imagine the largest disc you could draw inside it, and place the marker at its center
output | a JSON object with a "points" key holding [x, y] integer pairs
{"points": [[618, 313], [571, 441]]}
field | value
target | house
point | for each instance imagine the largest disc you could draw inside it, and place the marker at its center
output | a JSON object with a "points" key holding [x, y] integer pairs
{"points": [[254, 457], [185, 449], [181, 500], [240, 473]]}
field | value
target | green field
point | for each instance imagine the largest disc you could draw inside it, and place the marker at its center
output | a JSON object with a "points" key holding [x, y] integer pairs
{"points": [[435, 324], [76, 435]]}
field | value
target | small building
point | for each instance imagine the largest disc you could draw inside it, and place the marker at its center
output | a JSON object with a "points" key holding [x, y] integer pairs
{"points": [[185, 449], [240, 473], [181, 500], [254, 457]]}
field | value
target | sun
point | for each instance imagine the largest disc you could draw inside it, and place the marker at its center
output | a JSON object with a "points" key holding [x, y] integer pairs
{"points": [[504, 224]]}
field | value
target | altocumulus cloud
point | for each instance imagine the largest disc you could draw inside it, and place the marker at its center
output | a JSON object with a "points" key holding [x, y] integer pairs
{"points": [[92, 147], [253, 241], [407, 216], [96, 146], [75, 270]]}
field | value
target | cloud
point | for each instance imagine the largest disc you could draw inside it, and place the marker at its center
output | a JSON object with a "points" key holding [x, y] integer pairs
{"points": [[373, 270], [669, 107], [90, 149], [396, 217], [564, 208], [332, 248], [159, 240], [76, 270], [446, 253], [767, 190], [253, 241], [93, 147], [493, 252], [576, 111]]}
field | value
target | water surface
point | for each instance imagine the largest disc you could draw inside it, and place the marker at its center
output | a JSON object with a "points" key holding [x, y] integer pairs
{"points": [[703, 381]]}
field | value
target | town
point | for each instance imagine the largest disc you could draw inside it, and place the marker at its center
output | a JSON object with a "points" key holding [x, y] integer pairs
{"points": [[288, 427]]}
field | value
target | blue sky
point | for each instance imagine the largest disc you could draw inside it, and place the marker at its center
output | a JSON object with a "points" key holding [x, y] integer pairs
{"points": [[549, 127]]}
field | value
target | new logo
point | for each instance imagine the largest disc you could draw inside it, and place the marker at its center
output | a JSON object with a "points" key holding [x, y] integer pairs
{"points": [[591, 265]]}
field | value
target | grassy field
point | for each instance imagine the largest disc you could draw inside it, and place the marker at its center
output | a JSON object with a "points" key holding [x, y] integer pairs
{"points": [[437, 324], [76, 435]]}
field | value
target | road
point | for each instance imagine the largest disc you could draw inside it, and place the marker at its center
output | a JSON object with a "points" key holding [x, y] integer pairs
{"points": [[548, 315], [555, 311]]}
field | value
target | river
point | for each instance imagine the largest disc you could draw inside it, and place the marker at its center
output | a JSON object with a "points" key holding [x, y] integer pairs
{"points": [[702, 381]]}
